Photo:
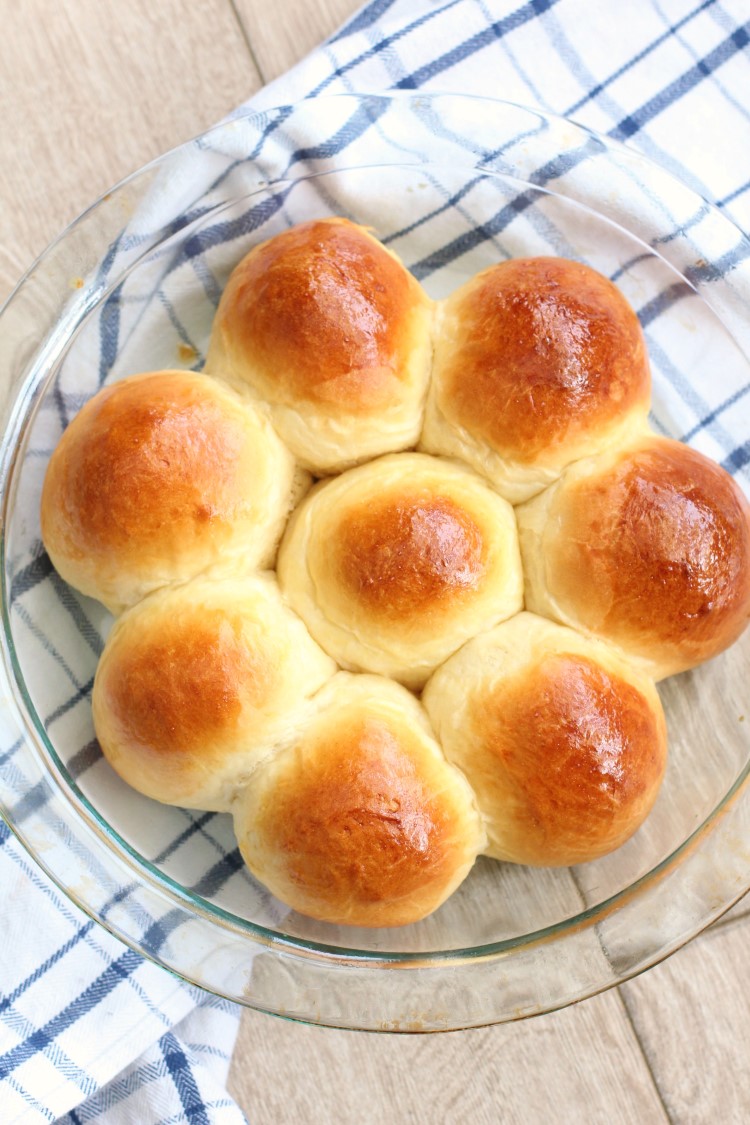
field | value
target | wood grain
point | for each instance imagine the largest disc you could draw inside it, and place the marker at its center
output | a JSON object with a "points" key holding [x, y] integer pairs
{"points": [[277, 44], [583, 1064], [91, 90], [692, 1015]]}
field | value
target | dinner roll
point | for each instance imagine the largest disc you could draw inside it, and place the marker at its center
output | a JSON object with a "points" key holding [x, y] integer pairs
{"points": [[158, 477], [361, 821], [198, 683], [563, 741], [648, 547], [393, 565], [538, 362], [329, 328]]}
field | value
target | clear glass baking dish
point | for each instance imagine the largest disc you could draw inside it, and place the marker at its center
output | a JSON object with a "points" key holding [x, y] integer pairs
{"points": [[452, 184]]}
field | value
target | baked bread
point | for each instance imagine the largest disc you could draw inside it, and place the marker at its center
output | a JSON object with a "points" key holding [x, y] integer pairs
{"points": [[649, 547], [198, 683], [538, 362], [394, 564], [327, 327], [158, 477], [361, 821], [563, 741], [170, 491]]}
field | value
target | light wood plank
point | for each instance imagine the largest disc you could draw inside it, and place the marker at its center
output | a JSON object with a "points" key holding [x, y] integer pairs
{"points": [[583, 1064], [280, 35], [692, 1015], [92, 89]]}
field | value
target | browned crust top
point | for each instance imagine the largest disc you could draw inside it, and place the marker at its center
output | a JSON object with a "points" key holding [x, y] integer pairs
{"points": [[656, 548], [146, 461], [409, 552], [323, 312], [178, 687], [362, 822], [580, 749], [547, 349]]}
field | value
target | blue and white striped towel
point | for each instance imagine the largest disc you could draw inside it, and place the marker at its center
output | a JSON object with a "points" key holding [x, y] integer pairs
{"points": [[89, 1031]]}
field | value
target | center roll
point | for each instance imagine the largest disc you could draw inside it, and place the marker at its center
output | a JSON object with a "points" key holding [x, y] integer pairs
{"points": [[395, 564]]}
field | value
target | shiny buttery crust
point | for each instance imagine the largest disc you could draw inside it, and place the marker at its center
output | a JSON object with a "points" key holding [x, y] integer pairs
{"points": [[538, 362], [325, 325], [362, 821], [393, 565], [157, 478], [563, 742], [198, 683], [534, 742], [649, 547]]}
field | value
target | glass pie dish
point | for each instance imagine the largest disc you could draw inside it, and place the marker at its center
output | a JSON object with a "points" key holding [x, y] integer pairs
{"points": [[452, 184]]}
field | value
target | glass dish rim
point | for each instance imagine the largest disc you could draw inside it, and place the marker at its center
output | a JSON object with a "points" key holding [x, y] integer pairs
{"points": [[164, 884]]}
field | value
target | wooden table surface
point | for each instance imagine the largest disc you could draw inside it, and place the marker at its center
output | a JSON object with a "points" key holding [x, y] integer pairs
{"points": [[90, 90]]}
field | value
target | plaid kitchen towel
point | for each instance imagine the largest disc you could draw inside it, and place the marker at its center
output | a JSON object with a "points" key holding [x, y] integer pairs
{"points": [[89, 1030]]}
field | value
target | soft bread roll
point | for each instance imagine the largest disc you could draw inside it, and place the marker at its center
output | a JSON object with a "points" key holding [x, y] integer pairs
{"points": [[361, 821], [393, 565], [198, 683], [648, 547], [563, 742], [158, 477], [538, 362], [327, 326]]}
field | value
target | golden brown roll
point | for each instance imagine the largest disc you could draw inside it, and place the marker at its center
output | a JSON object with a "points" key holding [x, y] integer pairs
{"points": [[157, 478], [198, 683], [563, 741], [361, 821], [538, 362], [648, 547], [395, 564], [329, 328]]}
